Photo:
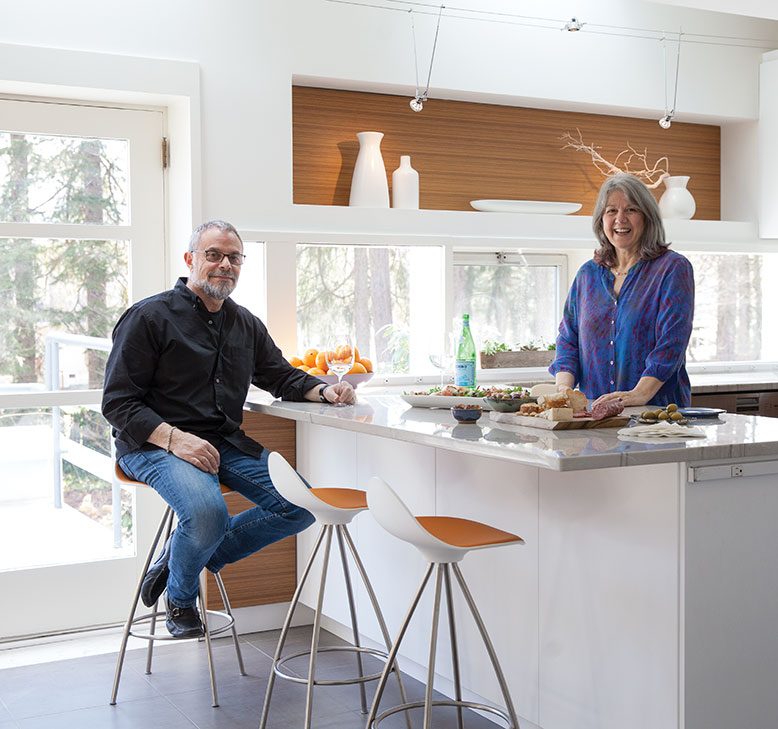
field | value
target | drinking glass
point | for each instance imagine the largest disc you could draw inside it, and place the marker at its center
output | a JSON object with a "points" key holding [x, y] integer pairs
{"points": [[340, 357]]}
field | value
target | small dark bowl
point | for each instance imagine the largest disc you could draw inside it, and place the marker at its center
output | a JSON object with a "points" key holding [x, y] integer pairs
{"points": [[466, 415], [508, 406]]}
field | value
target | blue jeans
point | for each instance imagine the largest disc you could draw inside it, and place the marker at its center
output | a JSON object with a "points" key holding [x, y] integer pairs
{"points": [[207, 536]]}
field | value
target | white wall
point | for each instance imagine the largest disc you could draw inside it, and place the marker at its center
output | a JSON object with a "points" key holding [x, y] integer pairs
{"points": [[249, 50]]}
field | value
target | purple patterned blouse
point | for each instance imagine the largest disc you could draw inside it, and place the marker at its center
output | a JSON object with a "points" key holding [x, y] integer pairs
{"points": [[608, 343]]}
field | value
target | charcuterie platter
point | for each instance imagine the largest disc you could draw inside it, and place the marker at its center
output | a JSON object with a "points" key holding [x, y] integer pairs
{"points": [[618, 421]]}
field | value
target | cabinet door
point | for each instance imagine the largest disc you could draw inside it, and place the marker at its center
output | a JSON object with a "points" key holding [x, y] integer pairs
{"points": [[726, 401], [768, 404]]}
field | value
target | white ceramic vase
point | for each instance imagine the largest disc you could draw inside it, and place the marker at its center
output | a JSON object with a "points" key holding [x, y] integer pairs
{"points": [[677, 202], [369, 188], [405, 185]]}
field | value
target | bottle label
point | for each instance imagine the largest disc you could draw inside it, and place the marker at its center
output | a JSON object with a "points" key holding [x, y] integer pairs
{"points": [[464, 373]]}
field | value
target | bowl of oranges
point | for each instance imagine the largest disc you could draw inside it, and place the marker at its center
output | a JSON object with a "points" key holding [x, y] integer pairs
{"points": [[314, 362]]}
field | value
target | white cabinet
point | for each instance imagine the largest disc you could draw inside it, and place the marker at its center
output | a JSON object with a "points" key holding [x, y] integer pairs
{"points": [[768, 146]]}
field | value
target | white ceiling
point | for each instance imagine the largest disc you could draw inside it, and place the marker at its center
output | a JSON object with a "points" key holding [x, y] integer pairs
{"points": [[755, 8]]}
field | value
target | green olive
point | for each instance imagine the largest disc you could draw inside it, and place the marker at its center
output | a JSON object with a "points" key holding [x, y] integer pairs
{"points": [[676, 416], [662, 415], [647, 415], [671, 408]]}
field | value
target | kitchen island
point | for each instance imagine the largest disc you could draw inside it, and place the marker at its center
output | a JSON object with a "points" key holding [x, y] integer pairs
{"points": [[646, 596]]}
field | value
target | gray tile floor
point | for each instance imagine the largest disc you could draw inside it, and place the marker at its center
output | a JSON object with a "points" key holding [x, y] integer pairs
{"points": [[74, 694]]}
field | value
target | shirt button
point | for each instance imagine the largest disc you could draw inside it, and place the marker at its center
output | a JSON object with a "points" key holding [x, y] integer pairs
{"points": [[218, 381], [612, 322], [210, 321], [611, 339], [612, 382], [611, 363]]}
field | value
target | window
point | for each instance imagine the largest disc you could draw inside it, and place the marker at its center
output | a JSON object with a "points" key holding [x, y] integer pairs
{"points": [[390, 297], [511, 297], [734, 300], [250, 291]]}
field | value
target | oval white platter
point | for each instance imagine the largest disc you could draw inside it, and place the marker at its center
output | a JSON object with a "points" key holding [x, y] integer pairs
{"points": [[526, 206]]}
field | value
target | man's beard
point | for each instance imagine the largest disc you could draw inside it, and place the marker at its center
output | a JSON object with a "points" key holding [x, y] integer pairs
{"points": [[219, 290]]}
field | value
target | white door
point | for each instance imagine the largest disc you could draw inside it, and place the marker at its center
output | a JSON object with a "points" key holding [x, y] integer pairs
{"points": [[81, 237]]}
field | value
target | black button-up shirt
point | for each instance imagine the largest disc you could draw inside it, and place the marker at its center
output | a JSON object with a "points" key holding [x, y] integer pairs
{"points": [[175, 362]]}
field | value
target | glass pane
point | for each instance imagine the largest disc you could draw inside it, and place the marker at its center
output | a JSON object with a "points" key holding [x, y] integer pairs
{"points": [[67, 292], [734, 300], [61, 485], [55, 179], [251, 289], [390, 297], [514, 304]]}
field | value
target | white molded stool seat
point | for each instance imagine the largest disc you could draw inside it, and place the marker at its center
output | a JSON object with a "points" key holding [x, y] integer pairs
{"points": [[443, 541], [225, 617], [333, 508]]}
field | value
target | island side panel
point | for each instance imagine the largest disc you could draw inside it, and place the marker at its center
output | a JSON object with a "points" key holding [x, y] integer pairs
{"points": [[609, 598], [731, 601]]}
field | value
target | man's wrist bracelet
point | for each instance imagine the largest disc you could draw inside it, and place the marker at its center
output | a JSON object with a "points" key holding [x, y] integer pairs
{"points": [[321, 394], [170, 437]]}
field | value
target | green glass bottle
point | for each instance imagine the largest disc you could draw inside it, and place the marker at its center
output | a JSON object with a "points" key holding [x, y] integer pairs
{"points": [[464, 368]]}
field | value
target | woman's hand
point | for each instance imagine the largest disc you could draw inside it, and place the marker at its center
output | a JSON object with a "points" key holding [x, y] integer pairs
{"points": [[629, 398]]}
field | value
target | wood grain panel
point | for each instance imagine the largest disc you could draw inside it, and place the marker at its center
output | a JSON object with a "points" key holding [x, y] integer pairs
{"points": [[270, 575], [466, 151]]}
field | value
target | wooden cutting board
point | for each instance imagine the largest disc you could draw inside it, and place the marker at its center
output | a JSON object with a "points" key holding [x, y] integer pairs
{"points": [[575, 424]]}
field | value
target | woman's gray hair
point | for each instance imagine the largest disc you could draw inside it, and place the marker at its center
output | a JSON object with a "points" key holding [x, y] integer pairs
{"points": [[221, 225], [652, 242]]}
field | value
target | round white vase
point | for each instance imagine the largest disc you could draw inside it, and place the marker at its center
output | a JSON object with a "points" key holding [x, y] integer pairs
{"points": [[369, 188], [676, 202], [405, 185]]}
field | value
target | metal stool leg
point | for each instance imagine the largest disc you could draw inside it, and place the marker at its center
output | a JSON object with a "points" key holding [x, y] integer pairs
{"points": [[285, 628], [355, 630], [489, 647], [228, 610], [155, 608], [379, 615], [433, 646], [454, 647], [133, 608], [379, 692], [207, 635], [317, 627]]}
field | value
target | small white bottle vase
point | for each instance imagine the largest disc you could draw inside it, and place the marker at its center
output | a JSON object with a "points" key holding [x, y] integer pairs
{"points": [[676, 202], [369, 187], [405, 185]]}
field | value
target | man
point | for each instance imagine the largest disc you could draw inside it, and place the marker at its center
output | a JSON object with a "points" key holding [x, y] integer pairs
{"points": [[175, 383]]}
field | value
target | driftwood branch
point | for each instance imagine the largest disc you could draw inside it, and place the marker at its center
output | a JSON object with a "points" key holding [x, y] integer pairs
{"points": [[628, 160]]}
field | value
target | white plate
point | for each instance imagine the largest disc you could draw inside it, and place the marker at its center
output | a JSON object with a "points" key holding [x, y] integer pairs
{"points": [[443, 401], [526, 206]]}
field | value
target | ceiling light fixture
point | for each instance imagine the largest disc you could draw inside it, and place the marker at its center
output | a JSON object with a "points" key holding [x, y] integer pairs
{"points": [[573, 25], [666, 121], [417, 102]]}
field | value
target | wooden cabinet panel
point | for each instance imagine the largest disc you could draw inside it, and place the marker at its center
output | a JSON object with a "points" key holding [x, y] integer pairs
{"points": [[270, 575], [725, 401], [465, 151]]}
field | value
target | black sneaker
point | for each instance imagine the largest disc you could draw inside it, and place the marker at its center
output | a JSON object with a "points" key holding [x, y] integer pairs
{"points": [[155, 580], [182, 622]]}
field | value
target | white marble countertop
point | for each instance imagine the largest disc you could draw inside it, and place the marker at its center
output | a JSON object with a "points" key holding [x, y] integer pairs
{"points": [[730, 437]]}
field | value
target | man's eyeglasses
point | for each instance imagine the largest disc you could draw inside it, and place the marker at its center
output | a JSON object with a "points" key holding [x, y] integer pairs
{"points": [[214, 256]]}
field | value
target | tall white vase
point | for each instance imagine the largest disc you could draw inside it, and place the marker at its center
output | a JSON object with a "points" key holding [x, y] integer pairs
{"points": [[405, 185], [369, 188], [677, 202]]}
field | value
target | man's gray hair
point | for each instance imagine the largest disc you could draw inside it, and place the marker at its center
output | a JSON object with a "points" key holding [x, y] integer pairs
{"points": [[221, 225]]}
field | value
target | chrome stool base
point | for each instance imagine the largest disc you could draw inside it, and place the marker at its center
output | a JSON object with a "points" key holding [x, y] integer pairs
{"points": [[450, 702], [344, 540], [166, 525]]}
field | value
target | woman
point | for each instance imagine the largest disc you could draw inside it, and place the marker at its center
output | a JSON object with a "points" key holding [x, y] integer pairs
{"points": [[628, 316]]}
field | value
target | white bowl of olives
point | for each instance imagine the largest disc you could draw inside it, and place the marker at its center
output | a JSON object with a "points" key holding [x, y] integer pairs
{"points": [[667, 414]]}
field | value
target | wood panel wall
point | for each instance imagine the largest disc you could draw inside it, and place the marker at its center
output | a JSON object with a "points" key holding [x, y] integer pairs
{"points": [[466, 151], [270, 575]]}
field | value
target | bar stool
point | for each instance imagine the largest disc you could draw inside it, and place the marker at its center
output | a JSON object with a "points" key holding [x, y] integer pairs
{"points": [[225, 618], [443, 541], [333, 508]]}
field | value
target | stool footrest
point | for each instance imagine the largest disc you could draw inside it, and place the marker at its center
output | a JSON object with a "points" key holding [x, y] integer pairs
{"points": [[228, 619], [277, 666], [444, 702]]}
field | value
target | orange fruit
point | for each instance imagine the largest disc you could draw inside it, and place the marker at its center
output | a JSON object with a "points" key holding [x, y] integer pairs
{"points": [[321, 362], [316, 371], [309, 358], [295, 361], [356, 355], [357, 369], [367, 364], [303, 367]]}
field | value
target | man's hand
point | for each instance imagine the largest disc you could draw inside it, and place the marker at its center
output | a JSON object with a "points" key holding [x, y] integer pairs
{"points": [[200, 453], [341, 392]]}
